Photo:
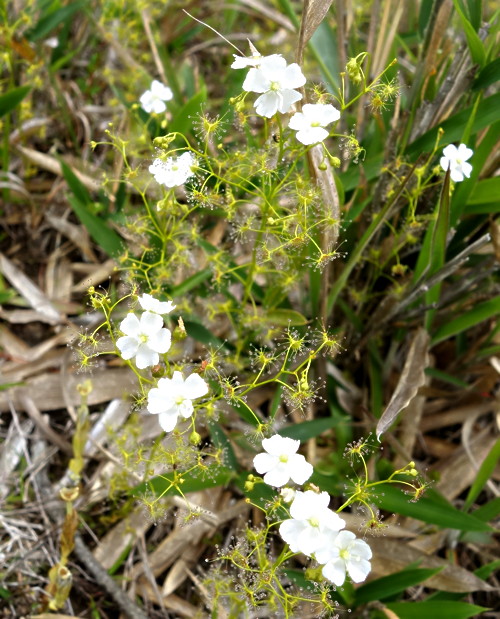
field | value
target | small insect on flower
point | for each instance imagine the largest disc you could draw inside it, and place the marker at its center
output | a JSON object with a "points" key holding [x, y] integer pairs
{"points": [[153, 100], [455, 160]]}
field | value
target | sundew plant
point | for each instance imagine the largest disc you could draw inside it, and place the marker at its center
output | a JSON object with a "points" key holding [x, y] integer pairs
{"points": [[296, 322]]}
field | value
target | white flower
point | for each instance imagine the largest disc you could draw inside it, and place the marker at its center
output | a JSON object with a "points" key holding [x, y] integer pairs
{"points": [[310, 122], [151, 304], [341, 553], [455, 159], [311, 520], [281, 462], [143, 339], [173, 172], [276, 81], [173, 397], [153, 100]]}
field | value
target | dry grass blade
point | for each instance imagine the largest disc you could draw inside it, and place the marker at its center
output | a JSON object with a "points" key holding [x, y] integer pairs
{"points": [[29, 291], [77, 234], [412, 378], [313, 15], [46, 162]]}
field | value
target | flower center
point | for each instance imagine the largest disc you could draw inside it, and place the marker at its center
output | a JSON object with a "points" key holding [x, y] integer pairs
{"points": [[143, 338], [175, 167], [344, 554], [314, 522], [283, 458], [315, 124], [275, 86], [179, 400]]}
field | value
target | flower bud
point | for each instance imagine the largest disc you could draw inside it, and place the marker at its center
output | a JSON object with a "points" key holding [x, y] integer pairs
{"points": [[194, 438], [354, 71], [157, 371]]}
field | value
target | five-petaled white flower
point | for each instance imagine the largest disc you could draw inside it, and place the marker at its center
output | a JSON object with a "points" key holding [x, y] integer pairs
{"points": [[342, 552], [281, 462], [153, 100], [455, 159], [310, 122], [150, 304], [143, 339], [311, 519], [173, 172], [276, 81], [173, 397]]}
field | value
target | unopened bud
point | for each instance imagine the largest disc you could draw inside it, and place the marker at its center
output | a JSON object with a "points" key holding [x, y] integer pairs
{"points": [[157, 371], [194, 438]]}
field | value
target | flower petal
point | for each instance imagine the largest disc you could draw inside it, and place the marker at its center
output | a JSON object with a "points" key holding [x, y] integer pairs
{"points": [[264, 462], [158, 403], [130, 325], [300, 470], [160, 341], [464, 153], [450, 151], [195, 387], [298, 121], [256, 81], [151, 323], [145, 357], [293, 77], [312, 135], [466, 169], [288, 98], [278, 476], [168, 420], [280, 445], [335, 572], [358, 570], [267, 104], [127, 346], [456, 175]]}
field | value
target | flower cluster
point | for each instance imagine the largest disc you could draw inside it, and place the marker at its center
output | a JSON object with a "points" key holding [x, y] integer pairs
{"points": [[145, 339], [313, 528], [276, 81]]}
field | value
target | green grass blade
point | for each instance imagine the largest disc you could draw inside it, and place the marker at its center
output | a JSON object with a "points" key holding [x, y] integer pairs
{"points": [[466, 320]]}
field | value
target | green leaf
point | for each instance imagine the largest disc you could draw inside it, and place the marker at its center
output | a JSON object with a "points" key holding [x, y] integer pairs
{"points": [[486, 191], [105, 237], [183, 119], [434, 610], [191, 282], [385, 587], [485, 571], [221, 441], [489, 511], [284, 317], [466, 320], [488, 75], [308, 429], [431, 508], [48, 22], [488, 112], [483, 475], [193, 481], [12, 98], [201, 334], [475, 44]]}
